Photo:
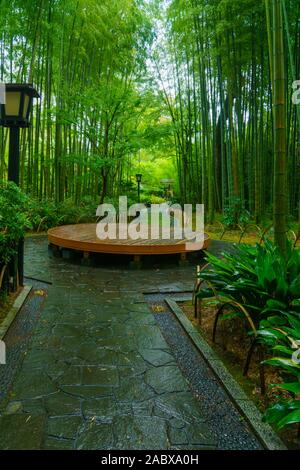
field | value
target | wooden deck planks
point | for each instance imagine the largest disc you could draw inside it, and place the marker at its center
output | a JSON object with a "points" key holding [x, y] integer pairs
{"points": [[83, 237]]}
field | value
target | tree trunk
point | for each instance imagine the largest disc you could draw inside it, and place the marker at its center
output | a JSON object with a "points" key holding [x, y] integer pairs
{"points": [[280, 187]]}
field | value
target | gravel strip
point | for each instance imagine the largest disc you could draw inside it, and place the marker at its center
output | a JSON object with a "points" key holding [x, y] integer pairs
{"points": [[223, 419]]}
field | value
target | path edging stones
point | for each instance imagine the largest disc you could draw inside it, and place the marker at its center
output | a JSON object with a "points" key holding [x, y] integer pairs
{"points": [[14, 310], [263, 431]]}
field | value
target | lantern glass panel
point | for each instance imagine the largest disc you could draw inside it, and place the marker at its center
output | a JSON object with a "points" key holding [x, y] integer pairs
{"points": [[26, 105], [12, 106]]}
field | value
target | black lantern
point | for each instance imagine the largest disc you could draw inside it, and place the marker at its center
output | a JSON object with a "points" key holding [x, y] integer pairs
{"points": [[15, 112], [139, 180]]}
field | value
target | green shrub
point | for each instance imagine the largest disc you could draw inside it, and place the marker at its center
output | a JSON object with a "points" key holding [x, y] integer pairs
{"points": [[13, 219], [43, 215], [152, 199], [267, 284], [258, 277], [235, 214], [281, 332], [131, 199]]}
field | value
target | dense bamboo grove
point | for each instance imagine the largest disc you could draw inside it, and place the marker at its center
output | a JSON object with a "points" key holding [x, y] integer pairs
{"points": [[85, 58], [222, 56], [192, 78]]}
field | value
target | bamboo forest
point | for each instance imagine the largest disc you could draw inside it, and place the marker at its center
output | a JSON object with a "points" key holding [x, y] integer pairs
{"points": [[149, 227]]}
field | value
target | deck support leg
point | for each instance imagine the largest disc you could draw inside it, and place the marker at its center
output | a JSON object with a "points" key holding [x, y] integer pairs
{"points": [[86, 259], [136, 263], [183, 261], [67, 254], [54, 251]]}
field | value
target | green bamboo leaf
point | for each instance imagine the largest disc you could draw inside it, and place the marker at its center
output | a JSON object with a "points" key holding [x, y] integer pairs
{"points": [[284, 349], [290, 387], [291, 418]]}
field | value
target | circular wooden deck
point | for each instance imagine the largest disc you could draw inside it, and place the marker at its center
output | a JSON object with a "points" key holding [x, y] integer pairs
{"points": [[83, 237]]}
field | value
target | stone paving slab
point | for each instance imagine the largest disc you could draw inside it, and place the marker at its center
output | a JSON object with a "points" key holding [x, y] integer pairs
{"points": [[21, 432], [99, 374]]}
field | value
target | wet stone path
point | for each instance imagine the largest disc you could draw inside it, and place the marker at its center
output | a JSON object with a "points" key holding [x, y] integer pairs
{"points": [[98, 373]]}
